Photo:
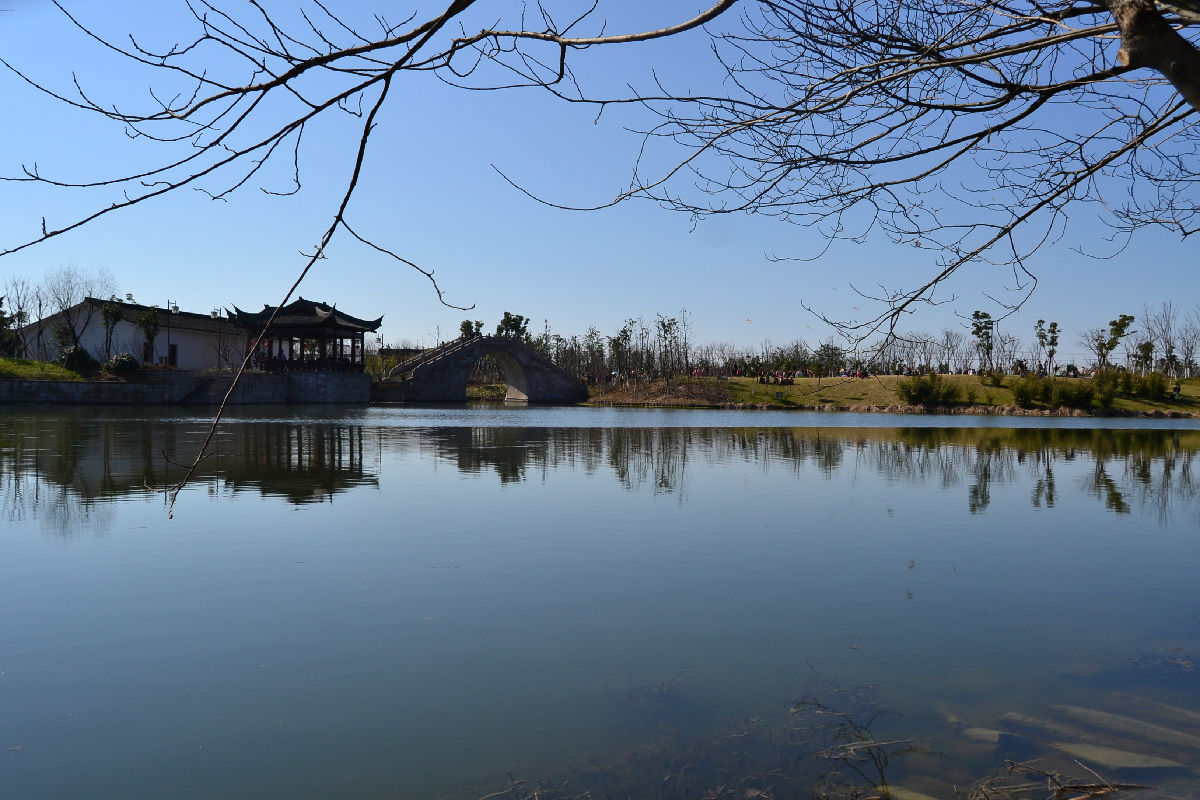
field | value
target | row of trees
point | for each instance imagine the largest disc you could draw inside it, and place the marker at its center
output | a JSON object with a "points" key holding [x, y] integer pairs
{"points": [[1165, 340]]}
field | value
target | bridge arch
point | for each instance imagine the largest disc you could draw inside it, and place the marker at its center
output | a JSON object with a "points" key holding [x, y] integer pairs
{"points": [[440, 375]]}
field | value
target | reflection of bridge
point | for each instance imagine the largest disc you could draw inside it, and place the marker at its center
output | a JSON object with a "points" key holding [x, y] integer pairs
{"points": [[440, 375]]}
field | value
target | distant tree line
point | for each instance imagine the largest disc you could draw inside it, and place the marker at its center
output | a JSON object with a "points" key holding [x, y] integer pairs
{"points": [[1163, 340]]}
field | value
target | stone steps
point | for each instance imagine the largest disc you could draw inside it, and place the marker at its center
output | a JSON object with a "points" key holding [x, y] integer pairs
{"points": [[209, 391]]}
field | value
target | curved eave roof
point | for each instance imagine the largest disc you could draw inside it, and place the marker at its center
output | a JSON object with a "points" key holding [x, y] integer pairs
{"points": [[305, 314]]}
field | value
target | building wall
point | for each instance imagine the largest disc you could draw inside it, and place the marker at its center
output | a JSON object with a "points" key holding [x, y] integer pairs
{"points": [[196, 350]]}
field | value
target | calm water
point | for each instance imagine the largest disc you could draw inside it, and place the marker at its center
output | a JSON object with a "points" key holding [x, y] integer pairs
{"points": [[412, 603]]}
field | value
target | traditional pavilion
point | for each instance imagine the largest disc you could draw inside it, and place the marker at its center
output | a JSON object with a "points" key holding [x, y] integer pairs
{"points": [[307, 335]]}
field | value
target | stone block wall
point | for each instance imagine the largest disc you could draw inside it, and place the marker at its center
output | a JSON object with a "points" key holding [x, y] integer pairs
{"points": [[331, 387], [162, 391], [181, 386]]}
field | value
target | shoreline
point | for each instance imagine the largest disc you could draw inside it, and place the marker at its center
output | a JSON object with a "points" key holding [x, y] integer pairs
{"points": [[882, 395], [907, 410], [862, 396]]}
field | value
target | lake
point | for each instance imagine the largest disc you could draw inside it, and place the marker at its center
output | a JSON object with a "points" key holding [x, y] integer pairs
{"points": [[397, 602]]}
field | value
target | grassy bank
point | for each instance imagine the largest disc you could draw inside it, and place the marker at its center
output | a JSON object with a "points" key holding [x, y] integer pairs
{"points": [[975, 394], [20, 369], [486, 391]]}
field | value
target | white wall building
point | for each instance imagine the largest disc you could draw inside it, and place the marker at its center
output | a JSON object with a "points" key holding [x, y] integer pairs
{"points": [[184, 340]]}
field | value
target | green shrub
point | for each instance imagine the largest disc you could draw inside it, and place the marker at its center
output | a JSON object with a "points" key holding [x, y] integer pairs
{"points": [[928, 391], [1071, 393], [122, 365], [1104, 388], [1150, 387], [1046, 390], [77, 359], [1125, 382], [1029, 390]]}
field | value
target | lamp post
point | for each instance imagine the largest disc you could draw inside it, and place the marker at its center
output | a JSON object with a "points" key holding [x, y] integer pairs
{"points": [[172, 308]]}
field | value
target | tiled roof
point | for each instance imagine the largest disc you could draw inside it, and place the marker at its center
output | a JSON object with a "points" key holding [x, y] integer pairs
{"points": [[181, 320], [305, 314]]}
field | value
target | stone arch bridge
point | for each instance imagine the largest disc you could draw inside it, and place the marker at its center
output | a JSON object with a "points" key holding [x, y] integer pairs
{"points": [[440, 375]]}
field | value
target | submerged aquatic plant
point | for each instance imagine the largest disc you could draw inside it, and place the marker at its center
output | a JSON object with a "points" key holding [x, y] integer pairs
{"points": [[828, 745]]}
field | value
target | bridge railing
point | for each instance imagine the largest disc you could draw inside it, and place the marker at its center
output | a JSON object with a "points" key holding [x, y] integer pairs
{"points": [[430, 355], [454, 345]]}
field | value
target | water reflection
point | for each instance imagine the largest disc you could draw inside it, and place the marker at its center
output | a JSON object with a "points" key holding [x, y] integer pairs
{"points": [[63, 468], [632, 610], [1148, 468], [58, 467]]}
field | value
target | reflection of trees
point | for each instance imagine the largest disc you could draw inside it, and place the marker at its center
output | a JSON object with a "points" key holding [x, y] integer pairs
{"points": [[1151, 466], [508, 451], [39, 476], [655, 457], [61, 465], [1044, 489], [1101, 485]]}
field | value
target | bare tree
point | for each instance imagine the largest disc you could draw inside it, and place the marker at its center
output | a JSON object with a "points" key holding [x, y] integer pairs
{"points": [[226, 344], [939, 126], [1094, 341], [19, 296], [1007, 347], [244, 90], [904, 352], [66, 289], [953, 345], [944, 126], [925, 350], [1162, 329], [1189, 342], [39, 309]]}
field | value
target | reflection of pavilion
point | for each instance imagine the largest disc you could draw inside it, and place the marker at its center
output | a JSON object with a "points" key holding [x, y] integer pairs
{"points": [[307, 335], [303, 462], [91, 459]]}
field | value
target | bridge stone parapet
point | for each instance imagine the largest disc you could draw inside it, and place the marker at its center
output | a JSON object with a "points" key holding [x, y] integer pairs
{"points": [[440, 375]]}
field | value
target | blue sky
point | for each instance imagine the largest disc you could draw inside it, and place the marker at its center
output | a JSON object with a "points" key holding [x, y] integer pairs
{"points": [[430, 193]]}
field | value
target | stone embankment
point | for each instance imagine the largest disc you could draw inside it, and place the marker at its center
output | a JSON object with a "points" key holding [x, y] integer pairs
{"points": [[182, 387]]}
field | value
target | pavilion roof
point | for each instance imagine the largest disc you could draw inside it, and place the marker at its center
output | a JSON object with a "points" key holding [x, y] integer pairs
{"points": [[303, 313]]}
